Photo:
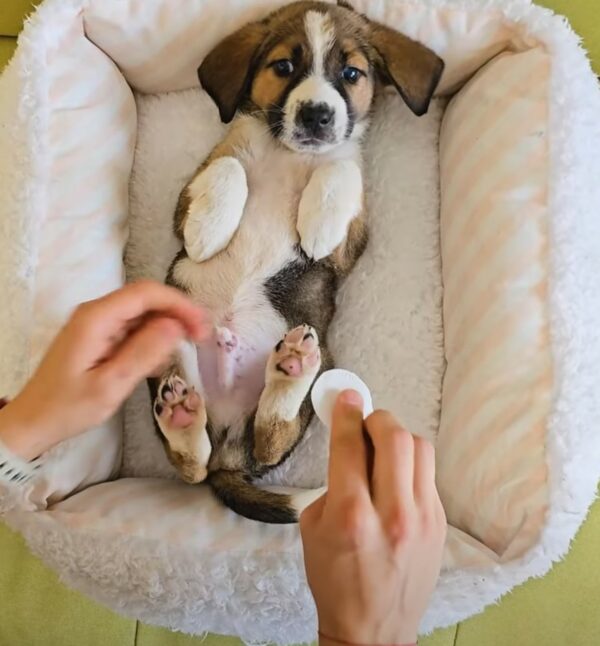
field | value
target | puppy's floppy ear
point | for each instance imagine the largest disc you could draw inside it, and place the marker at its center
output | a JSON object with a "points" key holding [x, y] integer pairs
{"points": [[408, 65], [227, 70]]}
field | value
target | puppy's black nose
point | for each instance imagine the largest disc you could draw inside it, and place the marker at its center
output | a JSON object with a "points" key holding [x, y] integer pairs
{"points": [[315, 117]]}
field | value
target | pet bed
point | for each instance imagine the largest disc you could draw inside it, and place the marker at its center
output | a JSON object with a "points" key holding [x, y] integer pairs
{"points": [[509, 226]]}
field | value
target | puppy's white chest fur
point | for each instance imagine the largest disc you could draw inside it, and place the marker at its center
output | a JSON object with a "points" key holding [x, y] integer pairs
{"points": [[276, 178]]}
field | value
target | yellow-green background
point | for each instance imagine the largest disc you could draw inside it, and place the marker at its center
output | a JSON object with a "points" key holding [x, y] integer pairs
{"points": [[562, 608]]}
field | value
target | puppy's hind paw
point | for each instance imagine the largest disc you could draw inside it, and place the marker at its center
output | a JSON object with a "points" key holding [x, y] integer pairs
{"points": [[296, 356]]}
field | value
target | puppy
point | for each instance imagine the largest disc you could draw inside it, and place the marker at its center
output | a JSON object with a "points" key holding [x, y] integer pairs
{"points": [[270, 224]]}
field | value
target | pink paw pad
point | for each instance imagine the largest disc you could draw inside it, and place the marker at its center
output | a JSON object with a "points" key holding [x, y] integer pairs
{"points": [[176, 405], [292, 366], [298, 351], [181, 417], [297, 335]]}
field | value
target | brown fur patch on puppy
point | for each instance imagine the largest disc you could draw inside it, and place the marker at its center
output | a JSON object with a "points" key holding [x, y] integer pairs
{"points": [[273, 438], [224, 73], [360, 94], [347, 254], [185, 463], [235, 489], [267, 87], [408, 65]]}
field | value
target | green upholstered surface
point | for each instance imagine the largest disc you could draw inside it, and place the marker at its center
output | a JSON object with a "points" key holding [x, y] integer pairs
{"points": [[562, 608], [36, 610], [12, 14], [7, 46]]}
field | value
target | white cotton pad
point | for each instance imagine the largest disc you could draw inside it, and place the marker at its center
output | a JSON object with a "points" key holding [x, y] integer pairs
{"points": [[329, 385]]}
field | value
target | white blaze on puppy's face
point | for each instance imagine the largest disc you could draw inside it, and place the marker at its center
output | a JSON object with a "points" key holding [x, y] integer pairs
{"points": [[316, 114], [321, 34]]}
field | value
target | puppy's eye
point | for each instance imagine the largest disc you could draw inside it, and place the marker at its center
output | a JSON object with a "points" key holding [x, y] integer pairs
{"points": [[351, 74], [283, 67]]}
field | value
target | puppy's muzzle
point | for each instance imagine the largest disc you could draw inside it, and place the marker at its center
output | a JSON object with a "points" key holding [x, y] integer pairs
{"points": [[315, 120]]}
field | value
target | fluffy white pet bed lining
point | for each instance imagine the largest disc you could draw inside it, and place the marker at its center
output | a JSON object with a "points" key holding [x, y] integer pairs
{"points": [[514, 411]]}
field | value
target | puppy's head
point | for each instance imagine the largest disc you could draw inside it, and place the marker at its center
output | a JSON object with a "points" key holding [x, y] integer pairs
{"points": [[310, 71]]}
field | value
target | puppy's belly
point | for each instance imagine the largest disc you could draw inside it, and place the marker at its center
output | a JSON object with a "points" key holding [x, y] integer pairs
{"points": [[232, 363]]}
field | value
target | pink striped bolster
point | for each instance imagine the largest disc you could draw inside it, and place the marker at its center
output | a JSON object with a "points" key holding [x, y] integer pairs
{"points": [[492, 472]]}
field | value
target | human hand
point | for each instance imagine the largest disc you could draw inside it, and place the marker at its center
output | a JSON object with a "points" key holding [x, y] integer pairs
{"points": [[107, 347], [373, 543]]}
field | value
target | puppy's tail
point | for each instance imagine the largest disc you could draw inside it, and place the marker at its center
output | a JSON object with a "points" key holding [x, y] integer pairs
{"points": [[267, 504]]}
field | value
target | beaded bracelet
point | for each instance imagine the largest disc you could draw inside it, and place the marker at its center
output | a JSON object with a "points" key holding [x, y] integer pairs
{"points": [[13, 469]]}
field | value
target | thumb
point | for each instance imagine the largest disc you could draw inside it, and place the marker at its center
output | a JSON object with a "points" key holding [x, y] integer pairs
{"points": [[149, 347], [348, 454]]}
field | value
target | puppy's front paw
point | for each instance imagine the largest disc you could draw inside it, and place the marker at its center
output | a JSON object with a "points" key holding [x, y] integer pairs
{"points": [[217, 197], [331, 200], [319, 239]]}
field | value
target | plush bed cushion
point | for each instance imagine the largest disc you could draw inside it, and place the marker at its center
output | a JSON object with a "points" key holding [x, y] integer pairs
{"points": [[158, 40], [66, 245], [492, 470]]}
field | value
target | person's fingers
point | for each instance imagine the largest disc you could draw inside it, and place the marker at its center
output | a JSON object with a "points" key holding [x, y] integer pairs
{"points": [[424, 477], [393, 464], [348, 456], [118, 309], [141, 353]]}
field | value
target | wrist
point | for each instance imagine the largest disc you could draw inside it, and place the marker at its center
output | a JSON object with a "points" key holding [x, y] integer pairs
{"points": [[20, 433], [364, 635]]}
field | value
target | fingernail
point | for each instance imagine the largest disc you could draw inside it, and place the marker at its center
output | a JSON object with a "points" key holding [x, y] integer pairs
{"points": [[351, 398]]}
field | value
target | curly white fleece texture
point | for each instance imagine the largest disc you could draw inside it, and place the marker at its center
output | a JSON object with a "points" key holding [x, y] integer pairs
{"points": [[262, 596]]}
